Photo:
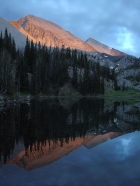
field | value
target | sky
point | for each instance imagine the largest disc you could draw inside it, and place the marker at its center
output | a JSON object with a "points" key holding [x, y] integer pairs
{"points": [[111, 22]]}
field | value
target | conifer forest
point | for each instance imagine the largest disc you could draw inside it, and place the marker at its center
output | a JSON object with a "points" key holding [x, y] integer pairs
{"points": [[44, 70]]}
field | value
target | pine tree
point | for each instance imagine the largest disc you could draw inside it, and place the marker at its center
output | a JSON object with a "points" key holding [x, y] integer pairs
{"points": [[1, 42], [102, 86], [13, 49], [27, 54], [6, 40]]}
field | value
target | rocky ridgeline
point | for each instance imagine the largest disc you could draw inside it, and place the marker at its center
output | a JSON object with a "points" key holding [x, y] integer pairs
{"points": [[49, 34], [102, 48], [127, 68]]}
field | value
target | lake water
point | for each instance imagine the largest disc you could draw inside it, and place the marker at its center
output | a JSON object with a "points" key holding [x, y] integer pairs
{"points": [[70, 142]]}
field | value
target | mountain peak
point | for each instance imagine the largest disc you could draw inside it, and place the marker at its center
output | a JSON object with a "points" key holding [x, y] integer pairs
{"points": [[102, 48], [30, 15], [49, 33]]}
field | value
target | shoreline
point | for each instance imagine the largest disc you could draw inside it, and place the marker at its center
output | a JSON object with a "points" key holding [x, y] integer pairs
{"points": [[27, 99]]}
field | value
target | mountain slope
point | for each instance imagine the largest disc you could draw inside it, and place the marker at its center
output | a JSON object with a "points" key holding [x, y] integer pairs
{"points": [[49, 33], [104, 48], [19, 38]]}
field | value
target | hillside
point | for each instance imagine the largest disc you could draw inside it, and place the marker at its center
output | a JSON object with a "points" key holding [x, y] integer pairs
{"points": [[48, 33]]}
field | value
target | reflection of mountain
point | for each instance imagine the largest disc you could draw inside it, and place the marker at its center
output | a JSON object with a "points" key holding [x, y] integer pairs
{"points": [[48, 120], [44, 154], [96, 140], [17, 149]]}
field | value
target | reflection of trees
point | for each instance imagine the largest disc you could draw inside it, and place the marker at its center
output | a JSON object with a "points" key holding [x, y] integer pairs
{"points": [[128, 116], [49, 121], [9, 131]]}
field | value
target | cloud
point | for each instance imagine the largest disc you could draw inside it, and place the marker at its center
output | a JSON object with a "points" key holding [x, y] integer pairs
{"points": [[125, 40], [114, 23]]}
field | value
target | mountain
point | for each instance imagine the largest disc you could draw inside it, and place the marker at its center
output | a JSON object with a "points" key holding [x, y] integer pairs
{"points": [[51, 152], [19, 38], [48, 33], [102, 48]]}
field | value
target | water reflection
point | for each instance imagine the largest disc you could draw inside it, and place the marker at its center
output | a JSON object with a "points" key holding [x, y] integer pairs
{"points": [[43, 154], [36, 134]]}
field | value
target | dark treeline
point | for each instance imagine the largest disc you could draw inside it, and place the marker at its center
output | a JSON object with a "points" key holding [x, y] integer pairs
{"points": [[45, 70], [48, 120]]}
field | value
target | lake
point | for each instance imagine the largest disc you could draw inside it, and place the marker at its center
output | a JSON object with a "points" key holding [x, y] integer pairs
{"points": [[70, 141]]}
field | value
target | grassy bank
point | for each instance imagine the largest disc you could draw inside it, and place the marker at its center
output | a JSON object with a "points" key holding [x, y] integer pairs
{"points": [[129, 92], [128, 95]]}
